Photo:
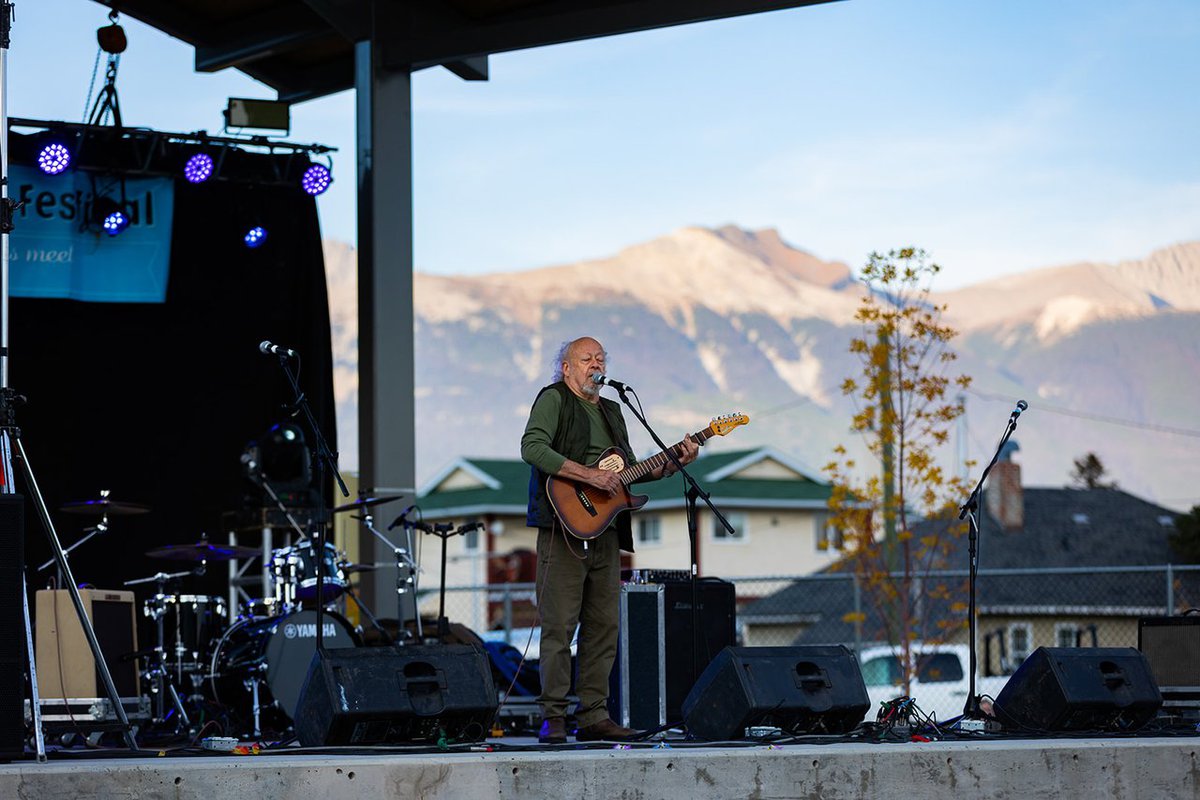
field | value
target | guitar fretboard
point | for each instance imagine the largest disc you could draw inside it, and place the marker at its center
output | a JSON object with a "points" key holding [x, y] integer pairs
{"points": [[644, 468]]}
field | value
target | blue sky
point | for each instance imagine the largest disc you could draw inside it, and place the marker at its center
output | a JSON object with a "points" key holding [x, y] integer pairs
{"points": [[1000, 135]]}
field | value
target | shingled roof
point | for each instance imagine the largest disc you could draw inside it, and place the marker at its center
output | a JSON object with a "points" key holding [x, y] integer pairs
{"points": [[737, 479], [1075, 530]]}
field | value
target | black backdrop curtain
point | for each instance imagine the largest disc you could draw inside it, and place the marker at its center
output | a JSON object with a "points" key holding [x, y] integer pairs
{"points": [[156, 402]]}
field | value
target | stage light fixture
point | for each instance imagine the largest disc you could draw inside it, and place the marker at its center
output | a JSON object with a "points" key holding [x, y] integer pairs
{"points": [[53, 158], [255, 236], [112, 217], [316, 179], [285, 457], [198, 168]]}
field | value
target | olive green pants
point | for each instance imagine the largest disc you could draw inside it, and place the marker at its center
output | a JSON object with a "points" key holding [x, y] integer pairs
{"points": [[577, 586]]}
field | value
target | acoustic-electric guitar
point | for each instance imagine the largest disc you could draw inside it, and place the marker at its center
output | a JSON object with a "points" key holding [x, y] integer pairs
{"points": [[586, 511]]}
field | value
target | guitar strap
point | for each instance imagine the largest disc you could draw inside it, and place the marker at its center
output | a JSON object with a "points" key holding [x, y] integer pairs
{"points": [[612, 432]]}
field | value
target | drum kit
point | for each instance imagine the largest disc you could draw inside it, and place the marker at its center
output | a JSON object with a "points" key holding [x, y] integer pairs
{"points": [[248, 664]]}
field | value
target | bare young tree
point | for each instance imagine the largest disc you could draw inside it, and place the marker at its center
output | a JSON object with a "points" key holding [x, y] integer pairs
{"points": [[905, 419], [1089, 473]]}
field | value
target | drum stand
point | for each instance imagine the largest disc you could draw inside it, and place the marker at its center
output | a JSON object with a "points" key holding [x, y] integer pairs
{"points": [[406, 576], [100, 527], [156, 669]]}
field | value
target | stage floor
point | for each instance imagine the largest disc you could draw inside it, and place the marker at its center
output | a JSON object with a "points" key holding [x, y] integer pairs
{"points": [[1130, 768]]}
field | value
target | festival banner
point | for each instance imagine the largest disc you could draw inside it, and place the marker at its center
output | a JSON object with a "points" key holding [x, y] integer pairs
{"points": [[58, 248]]}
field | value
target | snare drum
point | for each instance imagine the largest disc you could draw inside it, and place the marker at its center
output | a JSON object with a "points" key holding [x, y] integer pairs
{"points": [[277, 652], [295, 570], [191, 623]]}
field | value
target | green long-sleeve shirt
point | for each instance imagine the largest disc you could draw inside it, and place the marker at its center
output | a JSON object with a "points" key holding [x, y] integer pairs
{"points": [[542, 425]]}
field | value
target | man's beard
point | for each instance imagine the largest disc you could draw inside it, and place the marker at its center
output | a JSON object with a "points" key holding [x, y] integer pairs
{"points": [[589, 388]]}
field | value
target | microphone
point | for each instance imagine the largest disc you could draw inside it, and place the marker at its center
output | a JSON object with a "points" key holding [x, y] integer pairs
{"points": [[1021, 406], [269, 349], [400, 520], [604, 380]]}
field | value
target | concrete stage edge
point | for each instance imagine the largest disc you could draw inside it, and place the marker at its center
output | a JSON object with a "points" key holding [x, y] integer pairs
{"points": [[1129, 769]]}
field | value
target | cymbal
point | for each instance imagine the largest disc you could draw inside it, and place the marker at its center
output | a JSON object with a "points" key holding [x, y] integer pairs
{"points": [[102, 507], [364, 502], [349, 569], [203, 551]]}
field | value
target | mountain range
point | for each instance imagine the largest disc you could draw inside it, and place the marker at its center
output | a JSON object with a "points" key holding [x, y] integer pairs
{"points": [[710, 321]]}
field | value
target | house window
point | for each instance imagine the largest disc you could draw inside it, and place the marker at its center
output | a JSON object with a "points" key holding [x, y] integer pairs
{"points": [[649, 530], [1066, 634], [737, 520], [829, 536], [1020, 641]]}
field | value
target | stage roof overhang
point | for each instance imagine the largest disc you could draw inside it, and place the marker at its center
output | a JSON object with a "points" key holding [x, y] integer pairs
{"points": [[304, 49]]}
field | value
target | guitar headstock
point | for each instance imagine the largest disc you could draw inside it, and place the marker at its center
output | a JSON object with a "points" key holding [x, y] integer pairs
{"points": [[724, 424]]}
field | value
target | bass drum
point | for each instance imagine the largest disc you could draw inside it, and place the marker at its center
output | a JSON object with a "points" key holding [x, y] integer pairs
{"points": [[277, 651]]}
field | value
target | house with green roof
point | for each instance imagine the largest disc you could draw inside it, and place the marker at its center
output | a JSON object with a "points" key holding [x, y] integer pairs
{"points": [[776, 505]]}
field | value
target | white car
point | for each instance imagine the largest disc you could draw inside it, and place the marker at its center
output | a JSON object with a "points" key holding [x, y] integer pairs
{"points": [[522, 637], [939, 685]]}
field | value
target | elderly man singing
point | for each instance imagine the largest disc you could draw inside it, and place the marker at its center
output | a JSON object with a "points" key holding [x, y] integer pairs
{"points": [[578, 582]]}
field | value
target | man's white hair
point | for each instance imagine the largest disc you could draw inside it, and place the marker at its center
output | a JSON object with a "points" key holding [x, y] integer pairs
{"points": [[556, 372]]}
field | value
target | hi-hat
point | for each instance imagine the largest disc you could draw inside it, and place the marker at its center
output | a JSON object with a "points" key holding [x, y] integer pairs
{"points": [[364, 502], [103, 507], [203, 551]]}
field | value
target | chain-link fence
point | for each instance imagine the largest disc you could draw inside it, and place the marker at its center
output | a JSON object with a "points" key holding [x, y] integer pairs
{"points": [[1017, 612]]}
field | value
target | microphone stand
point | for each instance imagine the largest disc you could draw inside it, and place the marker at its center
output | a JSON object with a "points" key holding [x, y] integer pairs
{"points": [[691, 494], [968, 511], [324, 458]]}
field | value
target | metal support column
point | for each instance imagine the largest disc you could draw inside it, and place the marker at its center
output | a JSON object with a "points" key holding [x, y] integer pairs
{"points": [[386, 429]]}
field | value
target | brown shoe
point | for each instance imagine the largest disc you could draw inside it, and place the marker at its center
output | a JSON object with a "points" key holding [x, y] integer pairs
{"points": [[605, 730], [554, 731]]}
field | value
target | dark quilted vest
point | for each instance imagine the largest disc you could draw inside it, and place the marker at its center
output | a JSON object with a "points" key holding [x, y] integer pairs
{"points": [[571, 439]]}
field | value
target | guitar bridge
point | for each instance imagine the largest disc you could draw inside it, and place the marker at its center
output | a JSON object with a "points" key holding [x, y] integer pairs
{"points": [[585, 502]]}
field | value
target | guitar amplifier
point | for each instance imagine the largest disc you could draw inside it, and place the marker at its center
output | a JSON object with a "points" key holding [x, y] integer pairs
{"points": [[717, 630], [65, 667]]}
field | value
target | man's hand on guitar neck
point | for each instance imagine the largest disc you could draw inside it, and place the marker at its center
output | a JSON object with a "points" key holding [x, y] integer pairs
{"points": [[603, 479], [686, 451]]}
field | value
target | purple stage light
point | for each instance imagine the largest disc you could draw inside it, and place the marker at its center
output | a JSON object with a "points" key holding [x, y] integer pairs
{"points": [[54, 158], [114, 222], [255, 236], [198, 168], [316, 179]]}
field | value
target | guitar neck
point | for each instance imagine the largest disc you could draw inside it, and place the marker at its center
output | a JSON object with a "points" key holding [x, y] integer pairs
{"points": [[644, 468]]}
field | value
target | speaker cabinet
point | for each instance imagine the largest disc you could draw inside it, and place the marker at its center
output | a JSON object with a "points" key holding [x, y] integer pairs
{"points": [[65, 667], [12, 626], [386, 695], [1078, 689], [718, 618], [1172, 646], [809, 689]]}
